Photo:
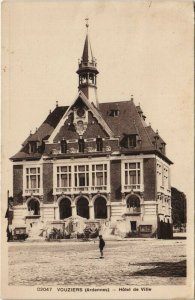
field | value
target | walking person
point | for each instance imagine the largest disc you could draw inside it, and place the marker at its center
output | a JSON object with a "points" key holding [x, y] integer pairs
{"points": [[101, 246]]}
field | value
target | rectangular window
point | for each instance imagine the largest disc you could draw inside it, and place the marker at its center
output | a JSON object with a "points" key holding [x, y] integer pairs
{"points": [[159, 171], [81, 145], [63, 146], [169, 180], [81, 175], [132, 175], [114, 112], [64, 176], [165, 177], [33, 178], [99, 144], [99, 175]]}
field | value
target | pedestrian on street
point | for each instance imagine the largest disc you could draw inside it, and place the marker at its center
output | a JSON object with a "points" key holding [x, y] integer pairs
{"points": [[101, 246]]}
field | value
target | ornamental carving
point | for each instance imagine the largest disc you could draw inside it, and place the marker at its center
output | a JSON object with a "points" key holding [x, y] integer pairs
{"points": [[91, 149], [73, 150], [80, 120], [80, 127], [108, 148]]}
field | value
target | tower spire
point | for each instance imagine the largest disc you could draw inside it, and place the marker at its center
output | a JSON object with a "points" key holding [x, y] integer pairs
{"points": [[87, 71]]}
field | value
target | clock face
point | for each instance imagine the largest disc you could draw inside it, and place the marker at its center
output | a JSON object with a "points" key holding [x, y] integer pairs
{"points": [[80, 112]]}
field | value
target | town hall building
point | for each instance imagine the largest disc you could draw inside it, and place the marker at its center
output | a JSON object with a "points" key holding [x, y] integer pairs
{"points": [[96, 162]]}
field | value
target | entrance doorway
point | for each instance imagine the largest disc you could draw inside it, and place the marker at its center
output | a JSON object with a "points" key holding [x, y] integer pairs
{"points": [[65, 208], [133, 226], [83, 208]]}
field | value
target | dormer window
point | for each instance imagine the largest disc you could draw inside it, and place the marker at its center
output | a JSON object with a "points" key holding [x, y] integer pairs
{"points": [[131, 141], [63, 146], [33, 147], [114, 113], [99, 144], [81, 145], [163, 146]]}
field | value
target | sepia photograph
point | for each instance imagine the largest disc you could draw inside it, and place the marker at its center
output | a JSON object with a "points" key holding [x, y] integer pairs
{"points": [[97, 149]]}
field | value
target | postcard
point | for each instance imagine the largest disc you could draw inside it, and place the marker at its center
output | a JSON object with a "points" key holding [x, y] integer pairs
{"points": [[97, 149]]}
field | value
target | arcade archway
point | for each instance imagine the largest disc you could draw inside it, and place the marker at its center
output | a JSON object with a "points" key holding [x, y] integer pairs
{"points": [[65, 208], [83, 207], [100, 208]]}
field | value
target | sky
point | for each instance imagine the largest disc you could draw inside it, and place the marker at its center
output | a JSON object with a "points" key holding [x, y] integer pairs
{"points": [[144, 48]]}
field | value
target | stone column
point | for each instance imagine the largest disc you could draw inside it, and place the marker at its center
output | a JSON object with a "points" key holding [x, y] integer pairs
{"points": [[73, 206], [56, 213], [108, 211], [91, 211], [41, 212], [74, 211]]}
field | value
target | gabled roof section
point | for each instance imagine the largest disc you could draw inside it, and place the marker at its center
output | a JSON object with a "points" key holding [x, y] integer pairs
{"points": [[42, 133], [93, 110]]}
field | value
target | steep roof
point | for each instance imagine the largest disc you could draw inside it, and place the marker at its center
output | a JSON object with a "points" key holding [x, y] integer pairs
{"points": [[154, 134], [127, 122], [87, 51], [42, 133]]}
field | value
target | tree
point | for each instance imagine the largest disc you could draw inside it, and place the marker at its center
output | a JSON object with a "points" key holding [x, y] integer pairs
{"points": [[178, 202]]}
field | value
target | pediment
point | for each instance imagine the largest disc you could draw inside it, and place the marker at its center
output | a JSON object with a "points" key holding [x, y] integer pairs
{"points": [[78, 116]]}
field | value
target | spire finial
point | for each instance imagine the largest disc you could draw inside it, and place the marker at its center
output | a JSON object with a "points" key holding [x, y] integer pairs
{"points": [[87, 23]]}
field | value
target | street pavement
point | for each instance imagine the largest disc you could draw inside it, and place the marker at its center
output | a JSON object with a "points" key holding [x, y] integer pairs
{"points": [[126, 262]]}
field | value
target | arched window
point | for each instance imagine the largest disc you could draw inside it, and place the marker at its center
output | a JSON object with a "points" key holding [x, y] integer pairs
{"points": [[133, 201], [63, 146], [100, 208], [65, 208], [83, 208], [34, 207]]}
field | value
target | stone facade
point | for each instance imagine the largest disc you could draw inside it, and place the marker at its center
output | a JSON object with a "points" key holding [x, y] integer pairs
{"points": [[142, 217]]}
